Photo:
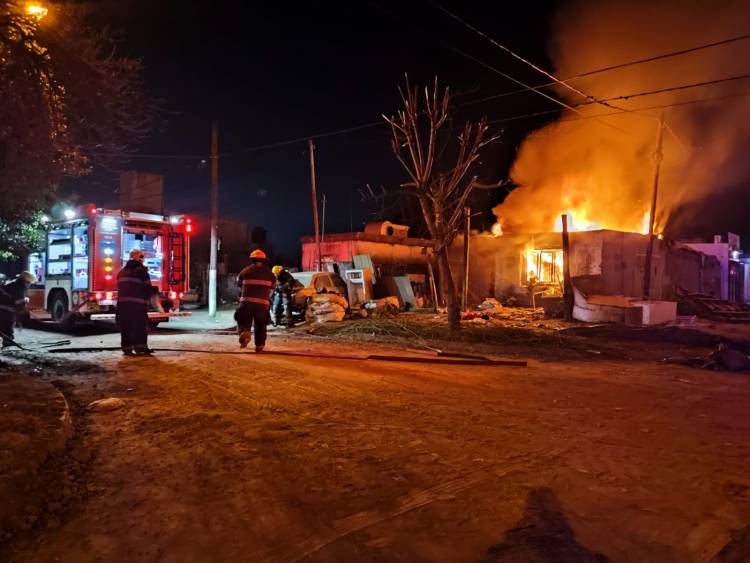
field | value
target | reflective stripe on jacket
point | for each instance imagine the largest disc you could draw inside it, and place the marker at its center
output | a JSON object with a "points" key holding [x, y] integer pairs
{"points": [[133, 284], [257, 283]]}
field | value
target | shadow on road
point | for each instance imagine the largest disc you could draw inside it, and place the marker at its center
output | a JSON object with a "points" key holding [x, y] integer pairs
{"points": [[543, 535]]}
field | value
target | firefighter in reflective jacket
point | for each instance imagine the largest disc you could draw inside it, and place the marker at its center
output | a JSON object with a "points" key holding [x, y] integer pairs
{"points": [[133, 295], [282, 296], [257, 282], [13, 304]]}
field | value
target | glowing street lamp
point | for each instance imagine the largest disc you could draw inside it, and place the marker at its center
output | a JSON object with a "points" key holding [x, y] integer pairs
{"points": [[35, 10]]}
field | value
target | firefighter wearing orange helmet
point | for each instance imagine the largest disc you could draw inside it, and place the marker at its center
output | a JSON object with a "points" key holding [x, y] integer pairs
{"points": [[256, 282]]}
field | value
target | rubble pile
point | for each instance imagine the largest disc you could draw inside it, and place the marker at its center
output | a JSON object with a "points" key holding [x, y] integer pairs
{"points": [[326, 307]]}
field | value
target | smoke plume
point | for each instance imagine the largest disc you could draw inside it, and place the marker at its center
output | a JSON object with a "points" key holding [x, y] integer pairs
{"points": [[601, 169]]}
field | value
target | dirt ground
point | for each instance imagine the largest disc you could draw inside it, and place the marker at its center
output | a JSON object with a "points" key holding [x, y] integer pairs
{"points": [[229, 457]]}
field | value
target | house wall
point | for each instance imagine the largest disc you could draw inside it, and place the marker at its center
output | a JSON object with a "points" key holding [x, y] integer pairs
{"points": [[720, 250], [380, 252]]}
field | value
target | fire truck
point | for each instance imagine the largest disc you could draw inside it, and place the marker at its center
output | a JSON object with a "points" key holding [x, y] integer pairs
{"points": [[77, 272]]}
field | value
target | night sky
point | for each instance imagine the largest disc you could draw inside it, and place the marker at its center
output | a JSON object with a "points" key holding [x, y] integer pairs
{"points": [[273, 72]]}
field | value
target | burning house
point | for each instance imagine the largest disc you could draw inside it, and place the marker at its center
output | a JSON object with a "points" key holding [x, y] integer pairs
{"points": [[609, 262]]}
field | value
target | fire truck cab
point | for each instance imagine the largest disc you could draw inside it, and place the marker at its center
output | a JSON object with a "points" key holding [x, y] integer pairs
{"points": [[77, 272]]}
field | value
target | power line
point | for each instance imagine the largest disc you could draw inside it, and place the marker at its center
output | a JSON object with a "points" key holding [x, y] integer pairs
{"points": [[483, 64], [540, 70], [535, 114], [660, 57], [512, 53], [616, 113], [307, 138], [618, 66], [511, 118], [676, 88], [139, 155]]}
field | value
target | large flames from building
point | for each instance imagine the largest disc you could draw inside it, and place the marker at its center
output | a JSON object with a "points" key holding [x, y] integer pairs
{"points": [[600, 170]]}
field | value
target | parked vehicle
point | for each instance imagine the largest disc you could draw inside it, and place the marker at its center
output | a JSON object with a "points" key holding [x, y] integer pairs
{"points": [[77, 271]]}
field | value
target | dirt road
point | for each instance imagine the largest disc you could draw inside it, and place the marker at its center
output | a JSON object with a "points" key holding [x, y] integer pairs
{"points": [[268, 458]]}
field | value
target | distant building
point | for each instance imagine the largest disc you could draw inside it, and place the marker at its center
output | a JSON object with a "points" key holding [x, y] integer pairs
{"points": [[734, 271], [384, 248]]}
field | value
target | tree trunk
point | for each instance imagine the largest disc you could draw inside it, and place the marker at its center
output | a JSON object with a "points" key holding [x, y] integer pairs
{"points": [[449, 290]]}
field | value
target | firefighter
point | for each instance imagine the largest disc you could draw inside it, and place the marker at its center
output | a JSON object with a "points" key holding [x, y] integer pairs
{"points": [[282, 296], [13, 304], [257, 282], [133, 296]]}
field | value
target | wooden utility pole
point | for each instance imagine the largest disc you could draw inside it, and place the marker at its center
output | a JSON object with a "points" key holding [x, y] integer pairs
{"points": [[315, 205], [433, 285], [323, 222], [652, 216], [214, 218], [568, 297], [467, 233]]}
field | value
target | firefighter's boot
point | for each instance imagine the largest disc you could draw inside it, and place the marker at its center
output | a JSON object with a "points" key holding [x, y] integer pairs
{"points": [[245, 337]]}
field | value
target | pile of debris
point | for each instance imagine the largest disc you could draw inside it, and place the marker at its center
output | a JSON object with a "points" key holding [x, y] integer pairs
{"points": [[326, 307], [723, 358], [708, 307], [386, 306], [486, 310]]}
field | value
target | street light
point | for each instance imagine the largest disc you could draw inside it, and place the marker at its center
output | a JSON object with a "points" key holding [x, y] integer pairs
{"points": [[35, 10]]}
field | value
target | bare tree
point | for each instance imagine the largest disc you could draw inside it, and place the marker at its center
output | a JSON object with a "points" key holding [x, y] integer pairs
{"points": [[442, 193], [68, 103]]}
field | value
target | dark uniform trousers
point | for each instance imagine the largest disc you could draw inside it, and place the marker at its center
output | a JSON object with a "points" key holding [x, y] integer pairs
{"points": [[133, 321], [12, 302], [253, 315]]}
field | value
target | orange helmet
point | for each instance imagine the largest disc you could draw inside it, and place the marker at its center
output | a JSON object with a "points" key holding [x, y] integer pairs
{"points": [[277, 270], [257, 254]]}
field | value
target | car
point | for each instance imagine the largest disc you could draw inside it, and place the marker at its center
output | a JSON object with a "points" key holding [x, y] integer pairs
{"points": [[308, 284]]}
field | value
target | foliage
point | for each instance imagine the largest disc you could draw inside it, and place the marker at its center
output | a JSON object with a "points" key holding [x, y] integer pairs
{"points": [[19, 237], [68, 103]]}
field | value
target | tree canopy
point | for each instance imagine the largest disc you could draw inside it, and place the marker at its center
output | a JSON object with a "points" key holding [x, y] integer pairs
{"points": [[68, 102]]}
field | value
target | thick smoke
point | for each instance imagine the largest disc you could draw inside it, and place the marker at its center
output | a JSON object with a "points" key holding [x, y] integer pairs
{"points": [[602, 169]]}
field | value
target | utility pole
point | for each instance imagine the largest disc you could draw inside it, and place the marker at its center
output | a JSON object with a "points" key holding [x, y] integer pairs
{"points": [[315, 205], [467, 234], [323, 222], [214, 218], [658, 155], [568, 296]]}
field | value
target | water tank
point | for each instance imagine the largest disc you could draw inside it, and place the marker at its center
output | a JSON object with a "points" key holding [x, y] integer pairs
{"points": [[387, 228]]}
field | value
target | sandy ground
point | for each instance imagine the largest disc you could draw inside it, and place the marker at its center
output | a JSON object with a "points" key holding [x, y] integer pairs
{"points": [[236, 458]]}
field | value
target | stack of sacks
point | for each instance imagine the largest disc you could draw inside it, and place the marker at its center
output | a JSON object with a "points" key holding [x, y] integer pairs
{"points": [[325, 307]]}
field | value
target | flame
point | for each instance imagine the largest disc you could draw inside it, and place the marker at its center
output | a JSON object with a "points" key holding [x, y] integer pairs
{"points": [[497, 230], [35, 10], [543, 265], [577, 221], [646, 223]]}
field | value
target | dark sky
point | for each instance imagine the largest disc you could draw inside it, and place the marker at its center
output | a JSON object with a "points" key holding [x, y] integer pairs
{"points": [[271, 72]]}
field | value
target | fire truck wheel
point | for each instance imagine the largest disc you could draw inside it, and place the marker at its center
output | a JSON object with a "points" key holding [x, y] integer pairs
{"points": [[59, 307]]}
